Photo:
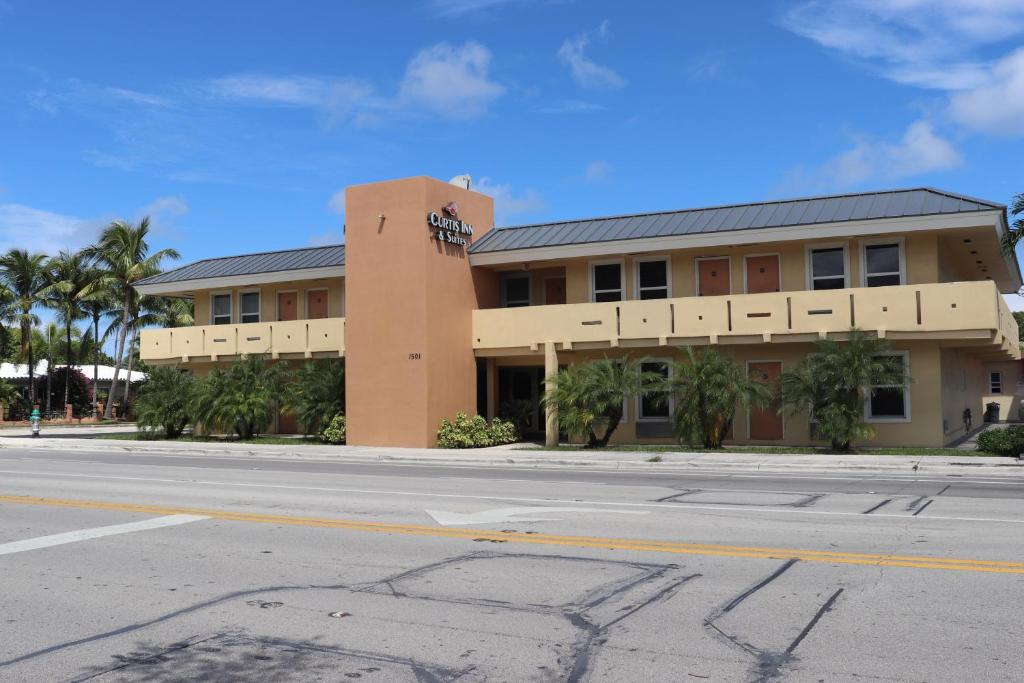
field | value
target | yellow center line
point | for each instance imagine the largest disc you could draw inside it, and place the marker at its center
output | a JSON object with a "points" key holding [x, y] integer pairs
{"points": [[639, 545]]}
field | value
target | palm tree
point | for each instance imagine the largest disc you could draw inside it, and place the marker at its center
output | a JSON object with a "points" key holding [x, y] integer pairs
{"points": [[71, 282], [593, 393], [706, 389], [1016, 233], [123, 251], [834, 383], [239, 399], [46, 346], [162, 311], [24, 275], [96, 306]]}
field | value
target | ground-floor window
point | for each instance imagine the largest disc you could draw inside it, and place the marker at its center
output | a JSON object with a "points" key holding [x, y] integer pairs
{"points": [[995, 382], [654, 407], [891, 402]]}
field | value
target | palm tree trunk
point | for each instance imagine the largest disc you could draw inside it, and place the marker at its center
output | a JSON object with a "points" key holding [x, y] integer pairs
{"points": [[67, 369], [128, 378], [49, 381], [95, 364], [121, 334], [27, 334]]}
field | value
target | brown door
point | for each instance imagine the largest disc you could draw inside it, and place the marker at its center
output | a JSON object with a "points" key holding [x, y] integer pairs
{"points": [[762, 274], [765, 423], [713, 277], [316, 304], [287, 306], [287, 424], [554, 290]]}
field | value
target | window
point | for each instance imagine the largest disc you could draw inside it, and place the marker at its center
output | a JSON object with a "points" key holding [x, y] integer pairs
{"points": [[882, 265], [515, 291], [249, 307], [220, 309], [652, 279], [607, 281], [654, 407], [890, 402], [828, 268], [995, 382]]}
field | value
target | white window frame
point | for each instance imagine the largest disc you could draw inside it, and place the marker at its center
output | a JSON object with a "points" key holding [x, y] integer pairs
{"points": [[696, 271], [868, 417], [622, 278], [995, 386], [782, 368], [899, 242], [640, 417], [516, 276], [778, 259], [259, 305], [231, 306], [277, 303], [651, 259], [809, 264], [305, 300]]}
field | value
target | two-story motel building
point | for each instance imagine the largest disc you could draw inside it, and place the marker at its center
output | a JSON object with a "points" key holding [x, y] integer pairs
{"points": [[435, 312]]}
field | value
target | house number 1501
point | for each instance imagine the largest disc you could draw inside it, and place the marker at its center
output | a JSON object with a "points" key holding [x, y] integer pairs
{"points": [[415, 356]]}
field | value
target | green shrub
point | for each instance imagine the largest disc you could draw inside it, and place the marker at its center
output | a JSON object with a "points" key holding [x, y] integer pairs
{"points": [[1008, 441], [315, 392], [474, 432], [336, 431], [163, 405], [241, 398]]}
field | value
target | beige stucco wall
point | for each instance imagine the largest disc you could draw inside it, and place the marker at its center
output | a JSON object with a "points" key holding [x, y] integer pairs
{"points": [[965, 384], [921, 255], [268, 298]]}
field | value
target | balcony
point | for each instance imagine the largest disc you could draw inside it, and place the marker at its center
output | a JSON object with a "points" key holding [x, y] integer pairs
{"points": [[972, 313], [321, 338]]}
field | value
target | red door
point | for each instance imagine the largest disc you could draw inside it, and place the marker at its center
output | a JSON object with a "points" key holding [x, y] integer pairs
{"points": [[316, 304], [287, 308], [713, 276], [554, 290], [765, 423], [762, 274]]}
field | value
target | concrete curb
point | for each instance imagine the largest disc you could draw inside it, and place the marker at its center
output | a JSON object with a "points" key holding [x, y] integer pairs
{"points": [[505, 457]]}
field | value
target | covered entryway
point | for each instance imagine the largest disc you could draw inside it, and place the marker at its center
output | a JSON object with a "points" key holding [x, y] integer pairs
{"points": [[519, 393], [765, 424]]}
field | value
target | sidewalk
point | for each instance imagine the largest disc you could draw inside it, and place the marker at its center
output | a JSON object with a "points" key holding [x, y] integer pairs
{"points": [[514, 455]]}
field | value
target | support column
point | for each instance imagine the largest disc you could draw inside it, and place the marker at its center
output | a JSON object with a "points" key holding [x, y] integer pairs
{"points": [[492, 389], [551, 412]]}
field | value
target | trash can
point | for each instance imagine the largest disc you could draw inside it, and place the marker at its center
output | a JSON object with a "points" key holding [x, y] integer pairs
{"points": [[992, 412]]}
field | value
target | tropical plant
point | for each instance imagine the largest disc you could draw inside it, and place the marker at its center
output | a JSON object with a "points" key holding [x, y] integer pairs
{"points": [[591, 395], [164, 401], [24, 277], [97, 305], [9, 397], [315, 393], [706, 389], [240, 399], [71, 281], [1007, 441], [46, 346], [73, 383], [162, 311], [1015, 234], [474, 432], [833, 384], [335, 431], [122, 250], [519, 412]]}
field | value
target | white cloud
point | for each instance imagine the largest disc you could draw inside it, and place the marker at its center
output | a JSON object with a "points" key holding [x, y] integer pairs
{"points": [[25, 227], [507, 203], [164, 213], [337, 202], [569, 107], [997, 106], [931, 44], [452, 81], [919, 151], [167, 206], [585, 71], [140, 98], [596, 171], [324, 239], [454, 8]]}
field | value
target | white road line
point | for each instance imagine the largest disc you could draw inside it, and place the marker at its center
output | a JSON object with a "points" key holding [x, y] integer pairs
{"points": [[98, 532], [560, 501]]}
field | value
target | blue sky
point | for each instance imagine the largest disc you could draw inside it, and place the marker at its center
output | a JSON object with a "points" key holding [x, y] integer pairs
{"points": [[236, 124]]}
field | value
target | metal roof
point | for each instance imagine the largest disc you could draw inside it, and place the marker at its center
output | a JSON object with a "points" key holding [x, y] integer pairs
{"points": [[921, 201], [249, 264]]}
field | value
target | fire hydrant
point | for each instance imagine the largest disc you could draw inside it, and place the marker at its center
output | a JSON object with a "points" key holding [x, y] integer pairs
{"points": [[34, 419]]}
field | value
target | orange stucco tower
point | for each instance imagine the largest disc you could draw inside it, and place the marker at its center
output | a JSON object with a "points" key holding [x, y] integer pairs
{"points": [[409, 297]]}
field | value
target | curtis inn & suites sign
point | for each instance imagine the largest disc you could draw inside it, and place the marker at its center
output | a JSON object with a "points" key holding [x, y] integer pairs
{"points": [[448, 227]]}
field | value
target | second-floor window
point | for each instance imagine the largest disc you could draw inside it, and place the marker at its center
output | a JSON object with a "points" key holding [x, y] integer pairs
{"points": [[515, 290], [220, 309], [249, 307], [882, 265], [827, 268], [652, 279], [607, 282]]}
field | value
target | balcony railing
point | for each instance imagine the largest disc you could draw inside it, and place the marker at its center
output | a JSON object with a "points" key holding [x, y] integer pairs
{"points": [[967, 310], [291, 339]]}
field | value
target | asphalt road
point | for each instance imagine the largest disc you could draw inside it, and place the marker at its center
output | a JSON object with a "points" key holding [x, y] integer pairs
{"points": [[150, 567]]}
